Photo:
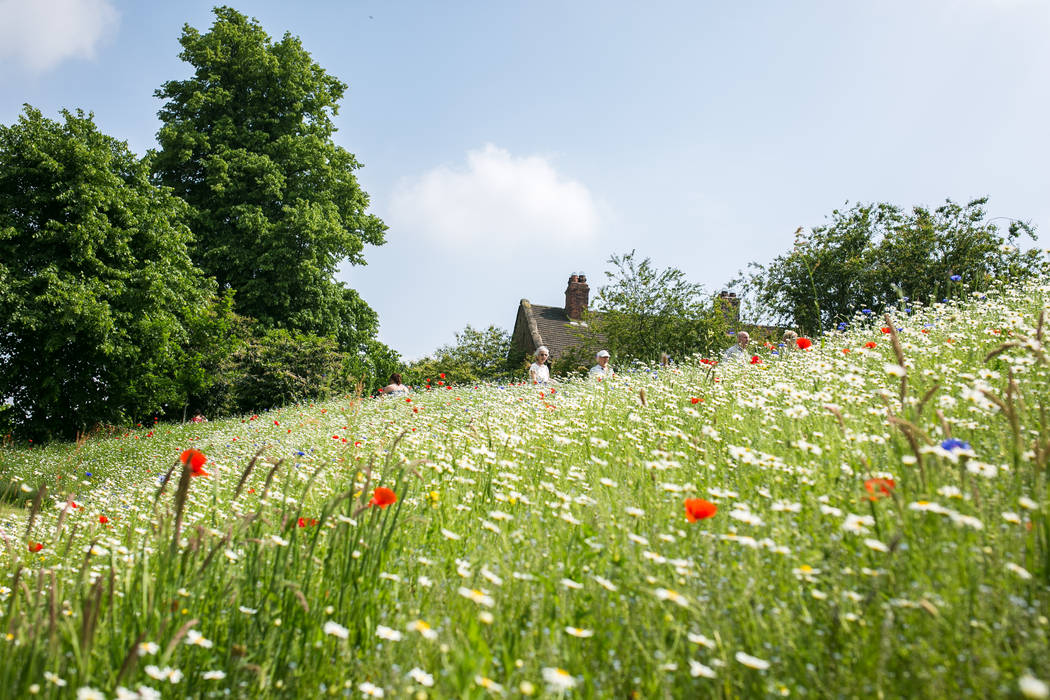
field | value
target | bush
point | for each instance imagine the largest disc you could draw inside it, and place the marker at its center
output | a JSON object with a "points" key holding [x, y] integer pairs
{"points": [[281, 367]]}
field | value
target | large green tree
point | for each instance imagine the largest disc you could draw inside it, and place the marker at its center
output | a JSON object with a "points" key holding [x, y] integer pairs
{"points": [[275, 205], [874, 255], [96, 282], [644, 312], [476, 355]]}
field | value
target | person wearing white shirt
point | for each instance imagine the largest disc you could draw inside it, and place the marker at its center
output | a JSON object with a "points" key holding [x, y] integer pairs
{"points": [[539, 372], [738, 351], [602, 369]]}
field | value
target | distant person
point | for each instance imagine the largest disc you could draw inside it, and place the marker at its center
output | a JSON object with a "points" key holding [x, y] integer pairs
{"points": [[789, 341], [395, 387], [199, 418], [665, 360], [602, 369], [738, 351], [539, 372]]}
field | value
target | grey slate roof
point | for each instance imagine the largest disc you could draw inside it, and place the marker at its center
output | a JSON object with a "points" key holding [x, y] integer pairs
{"points": [[537, 325], [556, 330]]}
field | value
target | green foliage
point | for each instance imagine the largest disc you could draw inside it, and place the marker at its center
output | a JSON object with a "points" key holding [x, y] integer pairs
{"points": [[370, 368], [870, 256], [247, 142], [97, 289], [575, 360], [644, 312], [216, 335], [281, 367], [477, 355]]}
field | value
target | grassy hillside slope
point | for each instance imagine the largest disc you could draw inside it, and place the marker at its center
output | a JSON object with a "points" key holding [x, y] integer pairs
{"points": [[881, 529]]}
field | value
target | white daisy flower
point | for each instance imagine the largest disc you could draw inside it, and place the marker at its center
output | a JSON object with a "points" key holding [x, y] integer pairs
{"points": [[751, 661], [384, 632], [558, 680], [195, 638], [336, 630], [422, 677], [698, 670]]}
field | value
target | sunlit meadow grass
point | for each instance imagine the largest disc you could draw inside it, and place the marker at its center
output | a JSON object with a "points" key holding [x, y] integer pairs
{"points": [[540, 546]]}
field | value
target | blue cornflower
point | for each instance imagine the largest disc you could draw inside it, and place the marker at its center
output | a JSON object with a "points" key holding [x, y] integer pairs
{"points": [[867, 312], [955, 444], [842, 325], [87, 473], [955, 278], [301, 453]]}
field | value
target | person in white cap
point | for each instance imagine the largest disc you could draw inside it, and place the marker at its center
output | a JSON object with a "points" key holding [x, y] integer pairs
{"points": [[602, 369]]}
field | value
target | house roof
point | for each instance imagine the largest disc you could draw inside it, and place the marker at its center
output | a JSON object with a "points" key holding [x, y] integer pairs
{"points": [[555, 327], [550, 326]]}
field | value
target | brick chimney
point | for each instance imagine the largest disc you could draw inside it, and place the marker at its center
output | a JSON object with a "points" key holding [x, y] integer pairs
{"points": [[577, 295], [730, 304]]}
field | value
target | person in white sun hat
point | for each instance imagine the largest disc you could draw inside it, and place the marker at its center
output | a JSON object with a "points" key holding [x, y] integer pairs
{"points": [[602, 369]]}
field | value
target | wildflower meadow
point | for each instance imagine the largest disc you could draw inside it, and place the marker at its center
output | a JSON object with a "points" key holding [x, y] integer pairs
{"points": [[863, 514]]}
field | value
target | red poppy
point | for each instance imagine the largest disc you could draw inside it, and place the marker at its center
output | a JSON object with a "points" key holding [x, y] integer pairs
{"points": [[886, 329], [103, 519], [442, 375], [755, 360], [35, 547], [879, 488], [383, 497], [304, 522], [695, 400], [699, 509], [803, 343], [196, 460], [870, 344], [845, 351]]}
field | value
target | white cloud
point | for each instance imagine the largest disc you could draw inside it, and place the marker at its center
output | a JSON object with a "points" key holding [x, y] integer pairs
{"points": [[497, 199], [40, 34]]}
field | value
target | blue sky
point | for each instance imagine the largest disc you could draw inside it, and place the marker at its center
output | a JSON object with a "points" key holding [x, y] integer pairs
{"points": [[509, 144]]}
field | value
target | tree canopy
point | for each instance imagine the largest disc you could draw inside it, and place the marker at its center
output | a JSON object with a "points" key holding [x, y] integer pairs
{"points": [[96, 282], [875, 255], [644, 312], [476, 355], [275, 204]]}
